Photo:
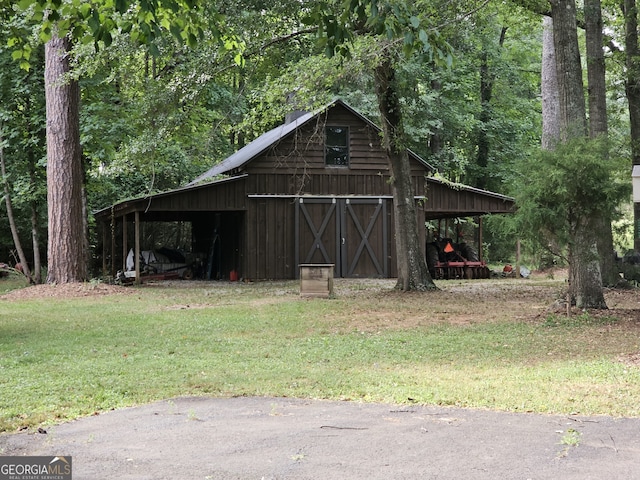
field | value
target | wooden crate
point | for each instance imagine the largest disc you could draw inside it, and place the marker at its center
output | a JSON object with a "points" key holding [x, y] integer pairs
{"points": [[316, 280]]}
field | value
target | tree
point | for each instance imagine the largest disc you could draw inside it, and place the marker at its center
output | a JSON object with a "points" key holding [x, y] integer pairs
{"points": [[562, 187], [22, 114], [400, 31], [585, 274], [549, 87], [413, 273], [598, 125], [632, 83], [597, 114], [486, 116], [9, 206], [61, 23], [65, 178]]}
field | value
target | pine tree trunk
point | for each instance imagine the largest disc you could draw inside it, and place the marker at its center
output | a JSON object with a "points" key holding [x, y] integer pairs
{"points": [[35, 239], [66, 258], [35, 225], [412, 267]]}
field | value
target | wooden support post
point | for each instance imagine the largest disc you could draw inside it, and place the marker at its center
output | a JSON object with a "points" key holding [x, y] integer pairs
{"points": [[518, 258], [103, 225], [480, 239], [137, 247], [113, 246], [125, 246]]}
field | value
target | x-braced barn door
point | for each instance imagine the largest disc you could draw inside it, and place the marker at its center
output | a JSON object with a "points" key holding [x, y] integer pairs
{"points": [[351, 233]]}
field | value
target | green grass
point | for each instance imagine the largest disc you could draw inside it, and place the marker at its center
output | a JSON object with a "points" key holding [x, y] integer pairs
{"points": [[64, 358], [12, 281]]}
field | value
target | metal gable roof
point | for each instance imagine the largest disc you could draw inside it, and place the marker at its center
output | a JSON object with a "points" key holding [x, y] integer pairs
{"points": [[253, 149], [270, 138]]}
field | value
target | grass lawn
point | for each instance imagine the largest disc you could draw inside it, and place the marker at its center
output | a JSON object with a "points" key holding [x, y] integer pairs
{"points": [[70, 351]]}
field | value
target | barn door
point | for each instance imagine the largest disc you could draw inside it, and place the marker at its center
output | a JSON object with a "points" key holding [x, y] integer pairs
{"points": [[363, 228], [350, 233]]}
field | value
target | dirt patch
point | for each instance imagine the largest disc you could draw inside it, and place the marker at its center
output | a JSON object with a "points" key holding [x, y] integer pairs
{"points": [[380, 307], [456, 302], [631, 359], [471, 302], [67, 290]]}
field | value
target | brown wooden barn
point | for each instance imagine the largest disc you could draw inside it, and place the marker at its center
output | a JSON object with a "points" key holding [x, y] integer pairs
{"points": [[313, 190]]}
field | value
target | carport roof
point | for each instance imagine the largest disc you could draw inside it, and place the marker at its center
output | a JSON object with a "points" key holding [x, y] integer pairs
{"points": [[141, 204]]}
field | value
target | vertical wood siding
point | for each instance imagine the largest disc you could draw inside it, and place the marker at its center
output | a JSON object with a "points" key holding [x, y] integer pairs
{"points": [[269, 248], [296, 166]]}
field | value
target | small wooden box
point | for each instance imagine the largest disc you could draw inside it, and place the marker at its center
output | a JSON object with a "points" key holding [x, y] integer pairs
{"points": [[316, 280]]}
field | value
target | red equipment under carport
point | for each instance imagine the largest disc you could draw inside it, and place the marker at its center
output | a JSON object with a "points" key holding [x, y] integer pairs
{"points": [[448, 260]]}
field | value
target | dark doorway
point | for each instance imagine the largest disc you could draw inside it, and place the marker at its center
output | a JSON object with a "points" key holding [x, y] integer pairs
{"points": [[218, 235]]}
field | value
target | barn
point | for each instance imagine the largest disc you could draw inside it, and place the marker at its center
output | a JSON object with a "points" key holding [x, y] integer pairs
{"points": [[313, 190]]}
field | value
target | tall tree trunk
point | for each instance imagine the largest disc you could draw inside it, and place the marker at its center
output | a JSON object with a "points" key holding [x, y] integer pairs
{"points": [[550, 96], [412, 267], [66, 259], [597, 91], [35, 239], [435, 139], [486, 93], [35, 223], [573, 115], [598, 126], [632, 53], [482, 140], [586, 278], [10, 216], [584, 271]]}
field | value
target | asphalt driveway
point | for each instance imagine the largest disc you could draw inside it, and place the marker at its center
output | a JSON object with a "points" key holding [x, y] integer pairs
{"points": [[276, 438]]}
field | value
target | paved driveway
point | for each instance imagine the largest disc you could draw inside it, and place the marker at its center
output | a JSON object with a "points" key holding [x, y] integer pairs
{"points": [[275, 438]]}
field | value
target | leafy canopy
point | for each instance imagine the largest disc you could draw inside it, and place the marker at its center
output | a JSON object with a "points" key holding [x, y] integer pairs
{"points": [[98, 20], [340, 22]]}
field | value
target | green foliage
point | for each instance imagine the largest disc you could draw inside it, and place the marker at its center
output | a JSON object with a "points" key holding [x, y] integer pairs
{"points": [[578, 179], [96, 22], [22, 130], [339, 22]]}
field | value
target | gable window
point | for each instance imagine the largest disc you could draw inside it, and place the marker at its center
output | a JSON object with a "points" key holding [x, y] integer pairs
{"points": [[336, 146]]}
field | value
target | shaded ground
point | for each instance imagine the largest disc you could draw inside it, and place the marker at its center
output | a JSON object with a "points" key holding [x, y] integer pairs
{"points": [[267, 438]]}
